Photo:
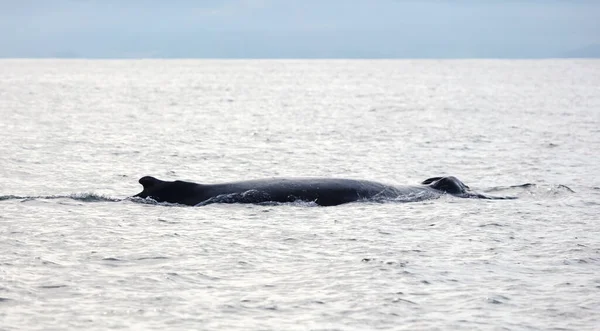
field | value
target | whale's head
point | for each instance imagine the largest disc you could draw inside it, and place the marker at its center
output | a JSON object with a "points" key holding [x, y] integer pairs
{"points": [[454, 186], [165, 191]]}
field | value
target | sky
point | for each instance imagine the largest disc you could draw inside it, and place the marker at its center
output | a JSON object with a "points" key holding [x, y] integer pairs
{"points": [[299, 28]]}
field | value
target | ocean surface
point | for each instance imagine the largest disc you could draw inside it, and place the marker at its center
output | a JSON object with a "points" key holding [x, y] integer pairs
{"points": [[78, 254]]}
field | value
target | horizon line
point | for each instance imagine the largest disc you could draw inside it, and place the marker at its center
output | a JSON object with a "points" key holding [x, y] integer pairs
{"points": [[296, 58]]}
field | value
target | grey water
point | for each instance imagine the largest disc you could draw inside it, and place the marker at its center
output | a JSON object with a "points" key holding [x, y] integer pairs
{"points": [[76, 135]]}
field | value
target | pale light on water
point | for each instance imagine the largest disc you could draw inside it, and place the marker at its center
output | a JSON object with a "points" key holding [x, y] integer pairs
{"points": [[76, 135]]}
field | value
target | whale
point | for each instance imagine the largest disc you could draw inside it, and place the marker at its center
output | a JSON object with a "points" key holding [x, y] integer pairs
{"points": [[321, 191]]}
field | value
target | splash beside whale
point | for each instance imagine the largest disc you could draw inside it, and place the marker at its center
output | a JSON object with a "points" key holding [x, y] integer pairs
{"points": [[321, 191]]}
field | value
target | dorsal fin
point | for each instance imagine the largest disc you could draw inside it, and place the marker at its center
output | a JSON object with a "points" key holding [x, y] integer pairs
{"points": [[149, 182]]}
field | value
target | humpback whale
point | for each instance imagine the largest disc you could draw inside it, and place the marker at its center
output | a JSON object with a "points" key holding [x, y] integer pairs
{"points": [[322, 191]]}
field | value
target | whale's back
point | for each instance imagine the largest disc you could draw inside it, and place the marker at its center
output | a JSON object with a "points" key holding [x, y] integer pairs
{"points": [[322, 191]]}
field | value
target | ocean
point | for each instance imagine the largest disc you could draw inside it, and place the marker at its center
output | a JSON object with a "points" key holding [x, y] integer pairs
{"points": [[76, 135]]}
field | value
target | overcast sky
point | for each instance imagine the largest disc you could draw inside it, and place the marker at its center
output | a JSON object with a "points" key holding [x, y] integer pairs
{"points": [[299, 28]]}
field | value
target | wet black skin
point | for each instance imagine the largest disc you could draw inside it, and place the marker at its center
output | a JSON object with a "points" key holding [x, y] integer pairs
{"points": [[322, 191]]}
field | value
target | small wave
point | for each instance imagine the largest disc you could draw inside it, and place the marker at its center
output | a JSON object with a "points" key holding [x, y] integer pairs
{"points": [[153, 258], [491, 224], [91, 197], [111, 259], [147, 201], [553, 190], [11, 197], [296, 203], [150, 201], [411, 197], [588, 260], [403, 300], [255, 197], [85, 197], [565, 188], [52, 286], [497, 299], [115, 259], [532, 189], [250, 196], [512, 187], [167, 221]]}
